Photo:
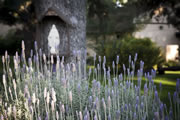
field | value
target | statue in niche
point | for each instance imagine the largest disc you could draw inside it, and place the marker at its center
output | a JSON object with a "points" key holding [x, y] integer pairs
{"points": [[53, 40]]}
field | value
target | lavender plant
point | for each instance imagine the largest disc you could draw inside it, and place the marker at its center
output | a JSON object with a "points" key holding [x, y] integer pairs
{"points": [[41, 88]]}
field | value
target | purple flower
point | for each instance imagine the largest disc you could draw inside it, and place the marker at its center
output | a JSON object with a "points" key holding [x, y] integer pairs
{"points": [[175, 97], [95, 57], [122, 109], [109, 82], [94, 83], [141, 64], [136, 107], [139, 81], [137, 100], [171, 114], [40, 52], [145, 89], [85, 117], [108, 74], [35, 45], [156, 115], [94, 105], [54, 68], [58, 59], [29, 61], [142, 105], [161, 110], [153, 73], [132, 73], [115, 82], [135, 57], [109, 117], [100, 59], [2, 117], [104, 66], [98, 85], [29, 101], [39, 118], [112, 92], [90, 100], [121, 77], [79, 88], [132, 64], [138, 90], [165, 106], [128, 71], [125, 107], [62, 59], [124, 68], [153, 82], [134, 116], [46, 118], [98, 66], [31, 53], [97, 100], [95, 117], [36, 59], [166, 118], [149, 78], [103, 100], [104, 59], [86, 110], [178, 85], [117, 60], [63, 80], [129, 58], [117, 114], [138, 73], [129, 107], [90, 70], [75, 52], [156, 96]]}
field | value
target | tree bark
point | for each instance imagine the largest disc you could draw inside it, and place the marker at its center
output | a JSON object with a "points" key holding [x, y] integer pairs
{"points": [[69, 16]]}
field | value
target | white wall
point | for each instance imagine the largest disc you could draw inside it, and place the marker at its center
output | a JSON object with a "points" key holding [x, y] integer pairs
{"points": [[163, 37]]}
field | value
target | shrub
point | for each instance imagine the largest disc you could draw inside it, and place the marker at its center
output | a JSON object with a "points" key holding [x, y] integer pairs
{"points": [[146, 49], [38, 90], [171, 63]]}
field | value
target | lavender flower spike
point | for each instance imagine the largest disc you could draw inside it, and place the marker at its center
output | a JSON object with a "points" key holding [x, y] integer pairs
{"points": [[156, 95]]}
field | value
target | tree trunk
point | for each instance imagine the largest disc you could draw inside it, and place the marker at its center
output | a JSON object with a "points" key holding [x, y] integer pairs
{"points": [[69, 17]]}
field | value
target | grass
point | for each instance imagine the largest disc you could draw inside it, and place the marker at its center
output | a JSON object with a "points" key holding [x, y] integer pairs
{"points": [[168, 81]]}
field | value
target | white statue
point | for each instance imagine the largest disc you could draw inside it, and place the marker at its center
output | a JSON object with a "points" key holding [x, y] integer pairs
{"points": [[54, 40]]}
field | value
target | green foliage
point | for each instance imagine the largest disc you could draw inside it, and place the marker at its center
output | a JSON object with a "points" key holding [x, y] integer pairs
{"points": [[105, 18], [10, 42], [171, 63], [13, 11], [146, 49]]}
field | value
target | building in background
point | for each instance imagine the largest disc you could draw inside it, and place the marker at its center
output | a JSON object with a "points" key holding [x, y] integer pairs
{"points": [[164, 35]]}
